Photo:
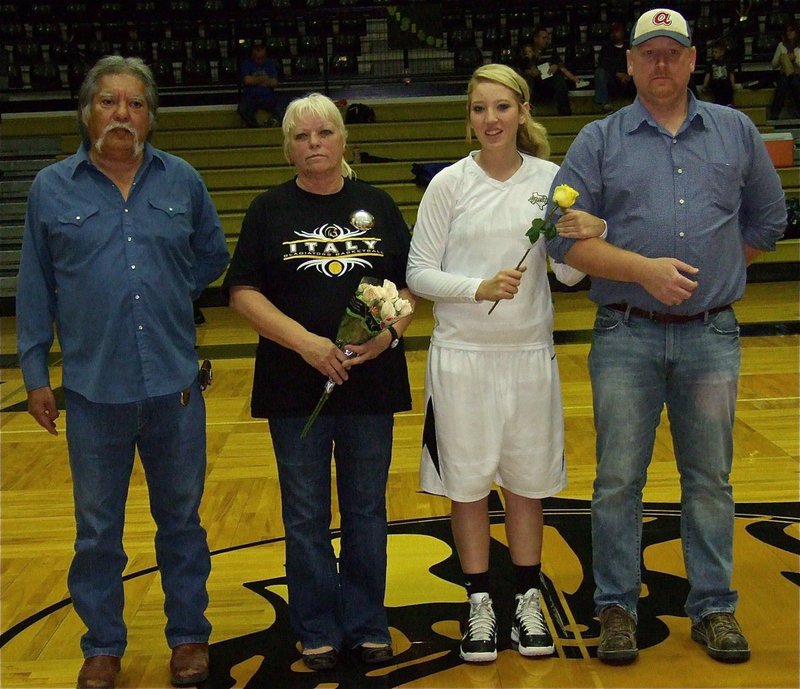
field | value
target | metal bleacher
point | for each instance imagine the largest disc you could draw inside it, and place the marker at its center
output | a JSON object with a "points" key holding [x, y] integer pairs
{"points": [[414, 84], [194, 45]]}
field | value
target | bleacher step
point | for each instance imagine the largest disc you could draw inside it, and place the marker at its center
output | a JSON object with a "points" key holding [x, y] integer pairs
{"points": [[11, 211], [11, 236], [9, 259], [12, 168], [8, 286], [12, 190], [29, 146]]}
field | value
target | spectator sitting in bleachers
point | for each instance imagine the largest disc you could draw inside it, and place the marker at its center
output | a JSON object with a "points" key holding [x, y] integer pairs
{"points": [[611, 77], [260, 76], [536, 58], [719, 80], [787, 61]]}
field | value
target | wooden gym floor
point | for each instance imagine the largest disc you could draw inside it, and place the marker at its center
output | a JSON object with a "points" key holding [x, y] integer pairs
{"points": [[251, 643]]}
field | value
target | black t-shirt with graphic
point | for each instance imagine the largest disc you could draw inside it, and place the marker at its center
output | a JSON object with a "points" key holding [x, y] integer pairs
{"points": [[302, 252]]}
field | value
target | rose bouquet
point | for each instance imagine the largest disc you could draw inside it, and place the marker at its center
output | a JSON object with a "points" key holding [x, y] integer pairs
{"points": [[563, 197], [372, 308]]}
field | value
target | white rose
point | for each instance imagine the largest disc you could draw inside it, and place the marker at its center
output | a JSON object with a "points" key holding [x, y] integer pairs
{"points": [[388, 311], [371, 294], [390, 290], [403, 307]]}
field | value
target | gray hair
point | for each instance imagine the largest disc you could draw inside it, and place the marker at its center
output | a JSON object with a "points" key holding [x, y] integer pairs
{"points": [[116, 64], [315, 105]]}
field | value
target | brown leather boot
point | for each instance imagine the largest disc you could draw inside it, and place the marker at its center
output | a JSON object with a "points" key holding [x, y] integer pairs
{"points": [[617, 636], [98, 672], [189, 664]]}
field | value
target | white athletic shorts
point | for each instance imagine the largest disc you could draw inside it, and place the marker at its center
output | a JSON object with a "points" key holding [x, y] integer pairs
{"points": [[492, 417]]}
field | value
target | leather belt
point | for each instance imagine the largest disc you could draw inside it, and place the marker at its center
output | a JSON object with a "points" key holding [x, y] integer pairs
{"points": [[665, 317]]}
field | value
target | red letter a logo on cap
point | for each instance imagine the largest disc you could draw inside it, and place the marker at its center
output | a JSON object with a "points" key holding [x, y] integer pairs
{"points": [[662, 18]]}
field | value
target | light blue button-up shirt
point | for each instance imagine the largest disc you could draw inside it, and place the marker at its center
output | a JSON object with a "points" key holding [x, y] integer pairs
{"points": [[696, 196], [116, 276]]}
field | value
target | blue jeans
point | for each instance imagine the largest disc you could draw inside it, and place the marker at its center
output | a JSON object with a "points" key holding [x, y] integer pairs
{"points": [[637, 366], [606, 84], [250, 105], [785, 86], [326, 607], [172, 445]]}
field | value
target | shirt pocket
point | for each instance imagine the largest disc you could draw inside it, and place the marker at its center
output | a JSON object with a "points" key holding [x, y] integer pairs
{"points": [[170, 208], [77, 215], [722, 185], [76, 231], [170, 221]]}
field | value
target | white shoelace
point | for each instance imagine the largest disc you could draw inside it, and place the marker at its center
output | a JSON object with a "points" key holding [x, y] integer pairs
{"points": [[481, 624], [529, 612]]}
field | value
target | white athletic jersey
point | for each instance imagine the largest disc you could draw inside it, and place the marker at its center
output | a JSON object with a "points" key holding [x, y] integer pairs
{"points": [[470, 226]]}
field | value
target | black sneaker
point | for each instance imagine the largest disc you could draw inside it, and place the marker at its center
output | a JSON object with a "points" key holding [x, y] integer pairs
{"points": [[479, 644], [529, 630], [720, 633]]}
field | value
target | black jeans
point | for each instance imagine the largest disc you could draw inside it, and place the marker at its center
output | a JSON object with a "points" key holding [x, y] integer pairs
{"points": [[785, 85], [553, 88]]}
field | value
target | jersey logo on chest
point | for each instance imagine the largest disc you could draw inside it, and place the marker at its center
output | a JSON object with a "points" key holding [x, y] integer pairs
{"points": [[331, 249]]}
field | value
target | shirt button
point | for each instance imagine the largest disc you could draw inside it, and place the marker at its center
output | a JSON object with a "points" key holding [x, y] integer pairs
{"points": [[77, 217], [681, 234], [680, 170], [133, 267], [130, 239], [170, 210], [681, 201], [674, 141], [135, 296], [126, 210], [141, 327]]}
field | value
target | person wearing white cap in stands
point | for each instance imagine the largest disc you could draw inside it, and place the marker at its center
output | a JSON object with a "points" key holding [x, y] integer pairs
{"points": [[691, 198]]}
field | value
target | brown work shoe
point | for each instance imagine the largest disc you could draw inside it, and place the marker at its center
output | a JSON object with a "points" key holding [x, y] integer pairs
{"points": [[617, 636], [189, 664], [720, 633], [98, 672]]}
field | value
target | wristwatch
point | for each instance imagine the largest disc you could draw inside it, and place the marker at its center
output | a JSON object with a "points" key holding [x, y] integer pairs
{"points": [[395, 337]]}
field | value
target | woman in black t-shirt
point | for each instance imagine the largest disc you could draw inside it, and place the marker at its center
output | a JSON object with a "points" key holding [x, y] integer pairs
{"points": [[302, 251]]}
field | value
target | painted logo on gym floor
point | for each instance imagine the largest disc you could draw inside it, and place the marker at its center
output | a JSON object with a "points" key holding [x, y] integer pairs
{"points": [[425, 600]]}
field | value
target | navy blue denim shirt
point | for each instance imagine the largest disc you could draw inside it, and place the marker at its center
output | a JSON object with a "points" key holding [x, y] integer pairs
{"points": [[696, 196], [116, 276]]}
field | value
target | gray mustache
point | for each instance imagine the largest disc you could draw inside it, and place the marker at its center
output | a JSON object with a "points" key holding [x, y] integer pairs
{"points": [[120, 125]]}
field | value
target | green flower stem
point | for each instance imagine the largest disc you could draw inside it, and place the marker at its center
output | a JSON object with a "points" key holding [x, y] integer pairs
{"points": [[538, 226], [524, 256], [326, 393], [317, 410]]}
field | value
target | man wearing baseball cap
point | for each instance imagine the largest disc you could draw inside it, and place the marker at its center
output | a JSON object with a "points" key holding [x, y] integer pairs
{"points": [[691, 198]]}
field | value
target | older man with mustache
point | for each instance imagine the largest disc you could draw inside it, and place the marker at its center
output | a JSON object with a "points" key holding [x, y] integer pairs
{"points": [[119, 239]]}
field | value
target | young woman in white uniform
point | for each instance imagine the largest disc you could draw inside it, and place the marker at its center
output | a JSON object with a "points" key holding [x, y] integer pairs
{"points": [[493, 399]]}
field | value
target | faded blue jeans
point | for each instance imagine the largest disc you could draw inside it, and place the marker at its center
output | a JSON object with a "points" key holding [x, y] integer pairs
{"points": [[171, 440], [342, 607], [637, 366]]}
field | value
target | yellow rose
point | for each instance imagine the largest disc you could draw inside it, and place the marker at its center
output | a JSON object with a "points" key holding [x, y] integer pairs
{"points": [[564, 195]]}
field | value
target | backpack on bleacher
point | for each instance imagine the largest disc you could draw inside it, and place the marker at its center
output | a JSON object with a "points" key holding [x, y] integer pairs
{"points": [[359, 113]]}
